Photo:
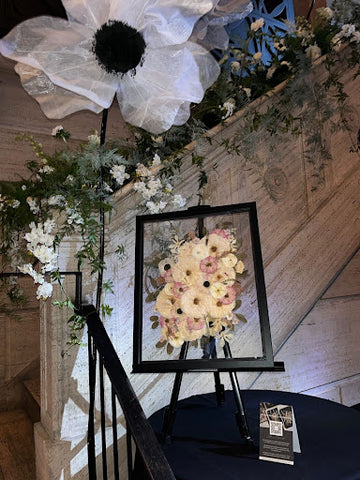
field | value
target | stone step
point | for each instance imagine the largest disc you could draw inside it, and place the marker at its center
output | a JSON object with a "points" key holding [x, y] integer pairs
{"points": [[31, 398], [17, 451]]}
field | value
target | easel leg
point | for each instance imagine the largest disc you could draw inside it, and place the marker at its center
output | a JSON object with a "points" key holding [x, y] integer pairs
{"points": [[240, 414], [170, 410], [209, 351]]}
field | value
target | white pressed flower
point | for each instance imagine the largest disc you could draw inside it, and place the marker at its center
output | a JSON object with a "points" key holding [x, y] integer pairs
{"points": [[239, 267], [259, 23], [23, 187], [217, 244], [186, 271], [166, 304], [200, 251], [229, 260], [194, 303], [15, 204], [217, 290], [165, 265], [218, 309], [169, 289]]}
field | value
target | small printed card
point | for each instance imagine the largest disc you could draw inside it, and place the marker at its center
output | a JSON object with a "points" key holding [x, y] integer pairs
{"points": [[278, 434]]}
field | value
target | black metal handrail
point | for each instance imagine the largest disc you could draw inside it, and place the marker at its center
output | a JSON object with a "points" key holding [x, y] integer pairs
{"points": [[138, 427]]}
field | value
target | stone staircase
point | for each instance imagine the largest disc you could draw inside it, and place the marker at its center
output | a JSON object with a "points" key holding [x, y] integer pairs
{"points": [[17, 446]]}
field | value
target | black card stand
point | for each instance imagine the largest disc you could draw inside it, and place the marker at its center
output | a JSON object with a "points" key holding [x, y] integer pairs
{"points": [[240, 415]]}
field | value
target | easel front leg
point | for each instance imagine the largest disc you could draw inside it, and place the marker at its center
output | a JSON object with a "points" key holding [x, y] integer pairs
{"points": [[240, 414], [209, 351], [170, 410]]}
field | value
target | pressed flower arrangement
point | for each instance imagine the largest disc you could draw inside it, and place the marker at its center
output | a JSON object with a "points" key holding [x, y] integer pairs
{"points": [[199, 288], [66, 190]]}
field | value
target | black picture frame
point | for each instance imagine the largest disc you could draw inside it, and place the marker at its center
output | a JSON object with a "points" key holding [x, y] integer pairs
{"points": [[259, 363]]}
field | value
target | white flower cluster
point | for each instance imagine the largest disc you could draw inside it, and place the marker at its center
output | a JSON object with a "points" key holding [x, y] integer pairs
{"points": [[229, 108], [119, 174], [4, 202], [349, 33], [40, 244], [33, 205], [157, 193], [325, 13]]}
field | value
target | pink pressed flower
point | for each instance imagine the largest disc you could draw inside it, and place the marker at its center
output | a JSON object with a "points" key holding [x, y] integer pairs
{"points": [[209, 265], [166, 322], [229, 296], [168, 276], [238, 288], [179, 289], [221, 232], [195, 323]]}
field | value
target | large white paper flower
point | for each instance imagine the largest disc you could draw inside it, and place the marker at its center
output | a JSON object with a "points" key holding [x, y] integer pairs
{"points": [[71, 65]]}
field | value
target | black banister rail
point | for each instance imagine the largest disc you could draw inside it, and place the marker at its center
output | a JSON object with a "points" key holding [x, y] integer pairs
{"points": [[137, 425]]}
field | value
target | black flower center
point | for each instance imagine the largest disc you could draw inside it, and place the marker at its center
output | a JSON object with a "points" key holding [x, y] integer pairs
{"points": [[118, 47]]}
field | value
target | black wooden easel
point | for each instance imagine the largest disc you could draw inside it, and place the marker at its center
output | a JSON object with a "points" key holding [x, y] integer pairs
{"points": [[240, 414], [209, 361]]}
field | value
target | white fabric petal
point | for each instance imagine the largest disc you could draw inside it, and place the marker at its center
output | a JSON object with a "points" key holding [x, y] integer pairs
{"points": [[130, 12], [170, 23], [209, 31], [62, 50], [54, 101], [163, 88], [92, 13]]}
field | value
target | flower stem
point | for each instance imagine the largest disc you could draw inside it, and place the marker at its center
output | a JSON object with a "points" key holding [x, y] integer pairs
{"points": [[99, 287]]}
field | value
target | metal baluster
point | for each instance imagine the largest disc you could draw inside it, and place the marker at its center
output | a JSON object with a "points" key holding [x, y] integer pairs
{"points": [[91, 419], [115, 436], [102, 419], [129, 452]]}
